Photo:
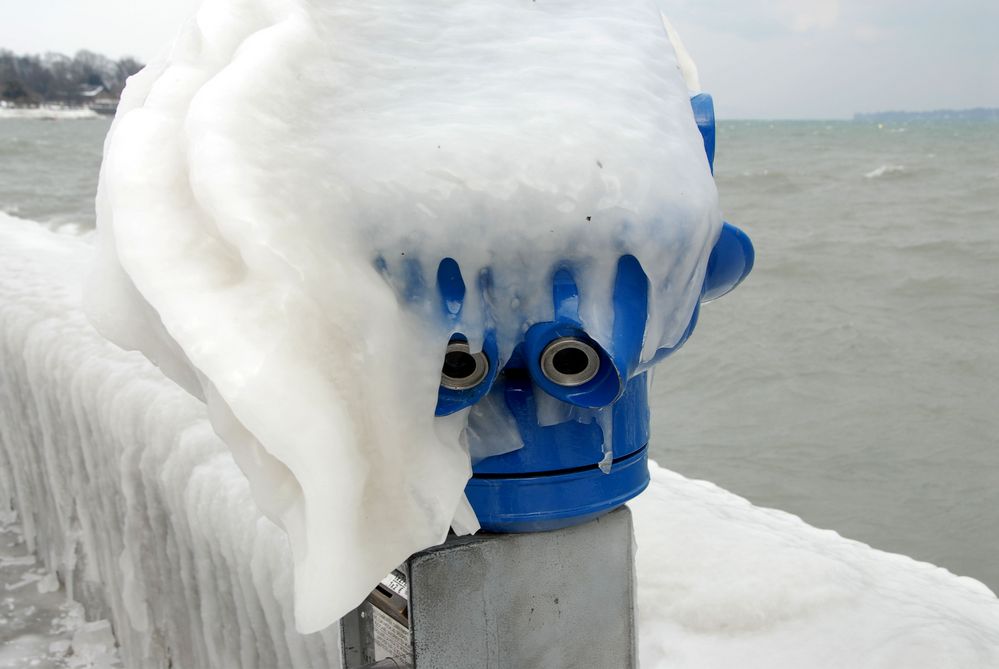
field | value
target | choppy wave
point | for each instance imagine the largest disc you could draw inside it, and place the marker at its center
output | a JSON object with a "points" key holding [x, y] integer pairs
{"points": [[885, 170]]}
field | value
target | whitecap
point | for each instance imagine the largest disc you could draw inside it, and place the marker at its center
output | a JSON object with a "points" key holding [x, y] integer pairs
{"points": [[885, 170]]}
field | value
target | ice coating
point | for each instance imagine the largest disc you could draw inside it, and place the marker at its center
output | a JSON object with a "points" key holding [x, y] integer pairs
{"points": [[279, 183], [723, 583], [684, 61]]}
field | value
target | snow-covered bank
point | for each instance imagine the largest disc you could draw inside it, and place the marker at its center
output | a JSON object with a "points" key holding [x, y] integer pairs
{"points": [[126, 492], [47, 113]]}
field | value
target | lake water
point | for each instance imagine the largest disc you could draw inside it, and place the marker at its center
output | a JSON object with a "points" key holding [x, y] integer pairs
{"points": [[48, 169], [852, 380]]}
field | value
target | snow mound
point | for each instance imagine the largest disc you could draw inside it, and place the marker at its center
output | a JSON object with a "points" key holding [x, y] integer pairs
{"points": [[279, 189]]}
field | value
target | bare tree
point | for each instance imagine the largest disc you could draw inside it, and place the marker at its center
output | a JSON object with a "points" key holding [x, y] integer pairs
{"points": [[54, 77]]}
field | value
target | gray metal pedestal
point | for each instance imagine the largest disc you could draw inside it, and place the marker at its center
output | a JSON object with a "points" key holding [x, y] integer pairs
{"points": [[550, 600]]}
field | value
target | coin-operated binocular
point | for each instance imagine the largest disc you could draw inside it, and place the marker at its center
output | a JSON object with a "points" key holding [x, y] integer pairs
{"points": [[581, 411]]}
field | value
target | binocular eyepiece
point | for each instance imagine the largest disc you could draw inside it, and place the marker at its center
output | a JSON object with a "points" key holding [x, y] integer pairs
{"points": [[462, 369], [569, 361]]}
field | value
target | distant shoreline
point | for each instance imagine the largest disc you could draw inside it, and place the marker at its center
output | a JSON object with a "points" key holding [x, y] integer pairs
{"points": [[67, 113], [50, 113], [976, 114]]}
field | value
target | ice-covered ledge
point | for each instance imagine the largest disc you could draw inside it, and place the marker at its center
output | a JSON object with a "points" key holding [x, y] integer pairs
{"points": [[126, 491]]}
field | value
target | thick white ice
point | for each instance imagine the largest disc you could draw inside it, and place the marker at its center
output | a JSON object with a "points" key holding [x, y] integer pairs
{"points": [[124, 490], [722, 584], [259, 174], [122, 487]]}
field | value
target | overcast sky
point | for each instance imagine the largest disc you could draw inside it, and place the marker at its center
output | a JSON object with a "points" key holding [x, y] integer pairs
{"points": [[759, 58]]}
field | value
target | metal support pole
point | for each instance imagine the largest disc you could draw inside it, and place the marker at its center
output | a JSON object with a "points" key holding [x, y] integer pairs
{"points": [[357, 637], [548, 600]]}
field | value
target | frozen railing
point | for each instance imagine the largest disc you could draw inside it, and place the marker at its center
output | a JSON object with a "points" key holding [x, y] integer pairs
{"points": [[123, 488]]}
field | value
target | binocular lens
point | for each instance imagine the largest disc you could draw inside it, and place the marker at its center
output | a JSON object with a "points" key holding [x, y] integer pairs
{"points": [[569, 361], [463, 369]]}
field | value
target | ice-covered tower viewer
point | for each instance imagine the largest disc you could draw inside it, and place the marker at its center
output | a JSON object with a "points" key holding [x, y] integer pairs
{"points": [[278, 192]]}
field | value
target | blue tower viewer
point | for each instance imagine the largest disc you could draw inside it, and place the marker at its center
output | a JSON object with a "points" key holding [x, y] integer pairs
{"points": [[572, 471]]}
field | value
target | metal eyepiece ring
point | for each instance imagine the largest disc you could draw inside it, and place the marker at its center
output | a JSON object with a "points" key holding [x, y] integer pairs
{"points": [[569, 361], [462, 369]]}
